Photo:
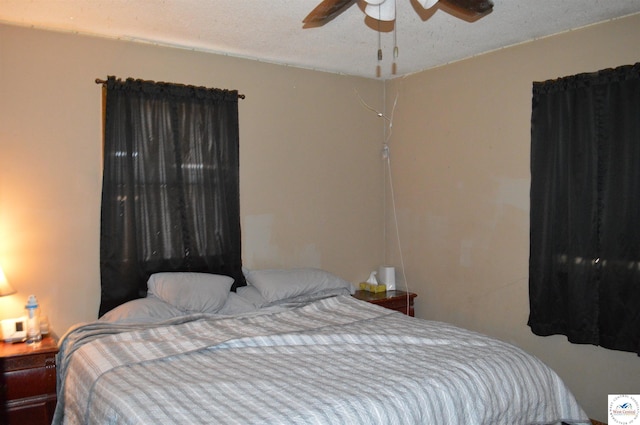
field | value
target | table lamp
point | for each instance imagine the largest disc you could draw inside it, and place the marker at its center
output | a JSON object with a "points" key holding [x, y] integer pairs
{"points": [[5, 287]]}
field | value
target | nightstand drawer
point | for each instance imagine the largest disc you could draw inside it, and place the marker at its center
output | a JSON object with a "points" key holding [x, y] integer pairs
{"points": [[32, 361], [395, 300], [397, 304], [33, 411], [32, 381]]}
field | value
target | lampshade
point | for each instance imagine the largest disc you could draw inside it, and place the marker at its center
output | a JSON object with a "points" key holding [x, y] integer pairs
{"points": [[5, 288], [384, 10]]}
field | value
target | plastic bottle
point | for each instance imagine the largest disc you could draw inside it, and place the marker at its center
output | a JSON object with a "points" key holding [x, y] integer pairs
{"points": [[33, 320]]}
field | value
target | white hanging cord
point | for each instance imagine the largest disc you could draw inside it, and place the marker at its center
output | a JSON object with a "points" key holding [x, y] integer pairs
{"points": [[371, 108], [380, 114], [393, 110], [397, 228], [386, 135], [387, 157]]}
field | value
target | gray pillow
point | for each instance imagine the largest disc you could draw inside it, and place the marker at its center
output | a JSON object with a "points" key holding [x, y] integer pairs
{"points": [[142, 310], [251, 294], [237, 305], [191, 292], [280, 284]]}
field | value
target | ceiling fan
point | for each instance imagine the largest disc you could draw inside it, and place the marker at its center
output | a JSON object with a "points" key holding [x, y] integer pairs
{"points": [[385, 10]]}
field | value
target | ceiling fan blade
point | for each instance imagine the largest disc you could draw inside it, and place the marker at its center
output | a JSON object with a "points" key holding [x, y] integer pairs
{"points": [[326, 11], [474, 8]]}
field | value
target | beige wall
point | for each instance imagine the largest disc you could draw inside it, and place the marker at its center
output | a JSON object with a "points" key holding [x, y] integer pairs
{"points": [[310, 167], [460, 164], [311, 176]]}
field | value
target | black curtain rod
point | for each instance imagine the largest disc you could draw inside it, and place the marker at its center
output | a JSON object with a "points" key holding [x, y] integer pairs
{"points": [[103, 82]]}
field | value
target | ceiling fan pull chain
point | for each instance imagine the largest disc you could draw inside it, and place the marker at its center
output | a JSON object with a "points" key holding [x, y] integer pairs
{"points": [[395, 39], [379, 41], [396, 50]]}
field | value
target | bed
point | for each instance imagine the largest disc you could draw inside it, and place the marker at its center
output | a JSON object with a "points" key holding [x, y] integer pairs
{"points": [[293, 347]]}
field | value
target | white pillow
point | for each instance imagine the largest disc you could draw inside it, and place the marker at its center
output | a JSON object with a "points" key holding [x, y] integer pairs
{"points": [[142, 310], [237, 305], [279, 284], [191, 292], [251, 294]]}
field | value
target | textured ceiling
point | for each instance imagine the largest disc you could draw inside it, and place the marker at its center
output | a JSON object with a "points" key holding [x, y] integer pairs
{"points": [[271, 31]]}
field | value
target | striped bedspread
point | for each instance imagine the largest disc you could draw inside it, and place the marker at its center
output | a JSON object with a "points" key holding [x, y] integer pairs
{"points": [[333, 361]]}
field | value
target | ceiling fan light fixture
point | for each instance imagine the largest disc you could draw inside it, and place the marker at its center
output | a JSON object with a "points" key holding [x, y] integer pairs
{"points": [[381, 10], [428, 4], [384, 10]]}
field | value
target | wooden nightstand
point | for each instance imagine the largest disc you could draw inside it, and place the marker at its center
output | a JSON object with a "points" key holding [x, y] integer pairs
{"points": [[395, 300], [28, 382]]}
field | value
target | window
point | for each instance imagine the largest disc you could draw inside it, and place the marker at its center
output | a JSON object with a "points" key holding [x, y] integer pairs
{"points": [[170, 199], [584, 267]]}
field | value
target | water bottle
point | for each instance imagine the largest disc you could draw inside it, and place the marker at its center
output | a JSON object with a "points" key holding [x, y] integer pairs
{"points": [[33, 320]]}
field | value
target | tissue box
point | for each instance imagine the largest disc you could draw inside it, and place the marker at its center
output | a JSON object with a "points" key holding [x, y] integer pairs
{"points": [[380, 287], [372, 287]]}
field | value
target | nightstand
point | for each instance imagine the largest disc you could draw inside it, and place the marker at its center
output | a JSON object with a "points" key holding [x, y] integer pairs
{"points": [[28, 382], [395, 300]]}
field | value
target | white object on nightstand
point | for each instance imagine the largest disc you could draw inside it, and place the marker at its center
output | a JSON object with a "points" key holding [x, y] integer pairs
{"points": [[387, 275]]}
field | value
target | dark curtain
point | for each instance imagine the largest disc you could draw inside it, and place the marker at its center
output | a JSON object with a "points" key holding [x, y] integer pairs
{"points": [[584, 267], [170, 191]]}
